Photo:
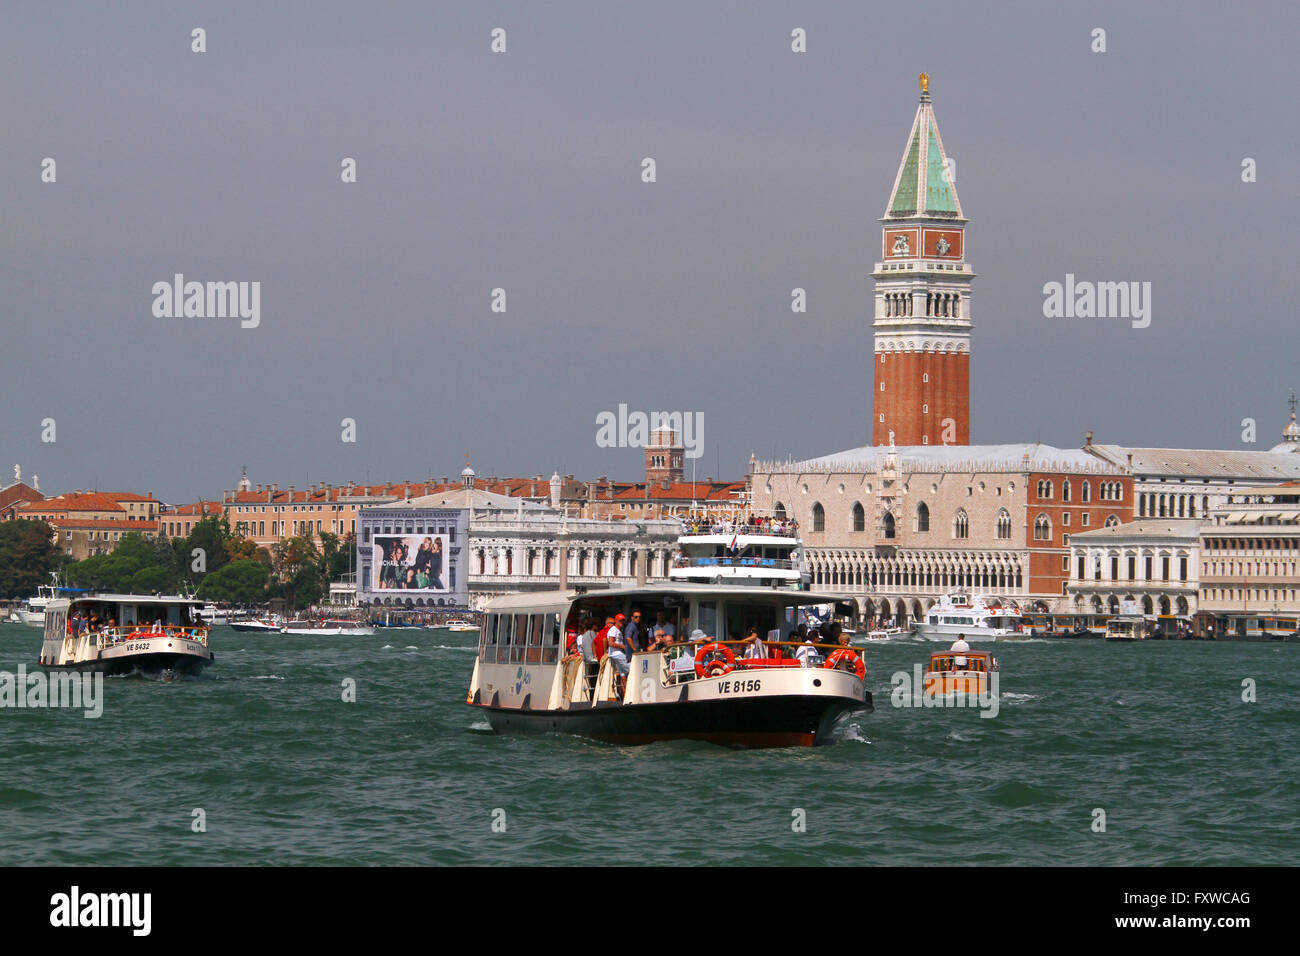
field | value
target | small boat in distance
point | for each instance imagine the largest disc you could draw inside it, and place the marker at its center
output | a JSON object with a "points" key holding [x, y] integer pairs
{"points": [[32, 610], [459, 626], [701, 688], [1126, 628], [980, 619], [328, 628], [878, 634], [252, 625], [125, 633], [959, 672]]}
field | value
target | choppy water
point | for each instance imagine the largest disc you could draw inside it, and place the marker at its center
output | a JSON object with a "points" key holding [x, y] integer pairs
{"points": [[1155, 734]]}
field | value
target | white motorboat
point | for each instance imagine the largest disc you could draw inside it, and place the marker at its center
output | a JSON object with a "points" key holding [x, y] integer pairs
{"points": [[459, 626], [976, 618], [32, 610], [328, 628], [256, 627], [879, 634], [212, 615]]}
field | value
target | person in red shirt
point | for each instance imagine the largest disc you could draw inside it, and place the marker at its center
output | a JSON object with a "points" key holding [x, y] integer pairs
{"points": [[600, 637]]}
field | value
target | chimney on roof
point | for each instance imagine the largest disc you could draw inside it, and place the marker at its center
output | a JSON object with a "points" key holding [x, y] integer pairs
{"points": [[1087, 439]]}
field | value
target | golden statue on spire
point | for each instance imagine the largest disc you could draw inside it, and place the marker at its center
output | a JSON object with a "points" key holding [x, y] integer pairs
{"points": [[925, 84]]}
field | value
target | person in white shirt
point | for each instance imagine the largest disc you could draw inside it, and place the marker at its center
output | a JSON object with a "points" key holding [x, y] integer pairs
{"points": [[616, 646], [960, 644]]}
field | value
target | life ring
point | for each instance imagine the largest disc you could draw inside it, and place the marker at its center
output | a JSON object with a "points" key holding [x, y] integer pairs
{"points": [[717, 666], [844, 655]]}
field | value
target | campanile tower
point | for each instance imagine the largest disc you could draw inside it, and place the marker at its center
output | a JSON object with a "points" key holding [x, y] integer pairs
{"points": [[922, 324]]}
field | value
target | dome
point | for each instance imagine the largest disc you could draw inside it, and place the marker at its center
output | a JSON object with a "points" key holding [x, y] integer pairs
{"points": [[1292, 430], [468, 472]]}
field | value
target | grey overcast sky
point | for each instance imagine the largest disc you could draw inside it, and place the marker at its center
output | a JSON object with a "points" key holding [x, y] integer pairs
{"points": [[522, 171]]}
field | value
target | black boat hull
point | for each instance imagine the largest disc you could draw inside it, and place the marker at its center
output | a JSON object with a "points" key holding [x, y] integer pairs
{"points": [[790, 721]]}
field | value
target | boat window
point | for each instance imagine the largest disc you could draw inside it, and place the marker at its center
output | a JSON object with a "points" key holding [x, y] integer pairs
{"points": [[535, 629], [706, 619]]}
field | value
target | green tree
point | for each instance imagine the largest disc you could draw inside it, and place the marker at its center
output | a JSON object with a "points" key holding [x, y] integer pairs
{"points": [[211, 535], [297, 564], [239, 582], [27, 556]]}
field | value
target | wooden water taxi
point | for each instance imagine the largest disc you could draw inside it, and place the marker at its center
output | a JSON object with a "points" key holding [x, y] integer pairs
{"points": [[959, 672], [709, 682]]}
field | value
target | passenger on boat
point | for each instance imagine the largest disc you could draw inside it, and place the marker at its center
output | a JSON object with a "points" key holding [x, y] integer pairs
{"points": [[807, 653], [633, 636], [661, 640], [960, 644], [754, 646], [602, 643], [617, 645], [661, 624]]}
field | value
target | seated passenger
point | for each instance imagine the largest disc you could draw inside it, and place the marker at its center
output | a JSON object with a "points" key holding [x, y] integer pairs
{"points": [[662, 641], [807, 654], [754, 646]]}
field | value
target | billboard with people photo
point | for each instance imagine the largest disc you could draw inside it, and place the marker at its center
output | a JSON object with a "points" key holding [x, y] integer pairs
{"points": [[413, 562]]}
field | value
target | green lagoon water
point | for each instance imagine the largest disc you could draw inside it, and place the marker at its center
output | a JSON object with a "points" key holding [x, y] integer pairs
{"points": [[1154, 734]]}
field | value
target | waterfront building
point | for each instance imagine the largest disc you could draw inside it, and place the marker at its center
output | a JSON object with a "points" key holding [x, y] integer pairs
{"points": [[503, 544], [893, 529], [17, 494], [178, 521], [1152, 562], [88, 523], [1192, 482], [1250, 560]]}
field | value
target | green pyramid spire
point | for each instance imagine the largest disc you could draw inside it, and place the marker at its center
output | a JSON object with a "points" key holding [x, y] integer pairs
{"points": [[923, 187]]}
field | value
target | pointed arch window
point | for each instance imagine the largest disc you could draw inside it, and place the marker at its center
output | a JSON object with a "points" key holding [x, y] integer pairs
{"points": [[922, 517], [961, 524], [819, 517], [859, 517], [779, 511], [1065, 490], [889, 525], [1004, 524], [1042, 528]]}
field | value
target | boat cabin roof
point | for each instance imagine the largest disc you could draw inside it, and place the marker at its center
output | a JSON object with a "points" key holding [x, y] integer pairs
{"points": [[139, 599]]}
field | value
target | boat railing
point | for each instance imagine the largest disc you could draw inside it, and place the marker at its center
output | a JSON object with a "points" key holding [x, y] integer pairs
{"points": [[785, 530], [783, 563], [121, 634]]}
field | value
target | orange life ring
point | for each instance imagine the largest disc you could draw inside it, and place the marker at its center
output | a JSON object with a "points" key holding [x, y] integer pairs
{"points": [[844, 655], [716, 667]]}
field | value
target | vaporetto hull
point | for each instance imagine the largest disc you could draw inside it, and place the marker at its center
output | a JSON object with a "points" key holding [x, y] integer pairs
{"points": [[757, 722], [154, 655]]}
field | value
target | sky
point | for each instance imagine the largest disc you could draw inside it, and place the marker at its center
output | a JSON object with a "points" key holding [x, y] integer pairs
{"points": [[522, 171]]}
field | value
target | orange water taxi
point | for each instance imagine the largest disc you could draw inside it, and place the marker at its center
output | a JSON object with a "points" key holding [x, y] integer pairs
{"points": [[959, 672]]}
